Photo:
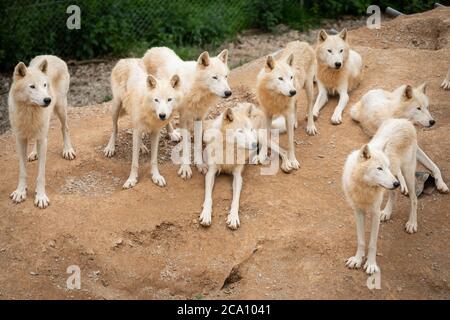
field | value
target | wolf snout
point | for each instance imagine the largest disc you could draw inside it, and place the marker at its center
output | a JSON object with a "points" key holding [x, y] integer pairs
{"points": [[227, 93], [162, 116], [338, 65], [432, 122], [293, 93], [396, 184], [47, 101]]}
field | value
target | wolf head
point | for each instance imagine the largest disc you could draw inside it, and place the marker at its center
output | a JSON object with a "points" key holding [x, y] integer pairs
{"points": [[213, 73], [31, 84], [331, 50], [163, 95], [376, 170], [415, 105], [238, 128], [279, 76]]}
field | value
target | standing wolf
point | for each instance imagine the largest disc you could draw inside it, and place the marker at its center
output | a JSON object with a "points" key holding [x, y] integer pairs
{"points": [[371, 170], [203, 82], [405, 102], [150, 102], [276, 88], [339, 71], [36, 91]]}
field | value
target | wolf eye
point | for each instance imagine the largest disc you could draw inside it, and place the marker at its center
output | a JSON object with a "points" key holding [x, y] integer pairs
{"points": [[170, 99], [32, 86], [380, 168], [342, 50], [329, 50], [292, 77], [45, 85], [419, 108], [215, 78], [280, 78], [156, 100]]}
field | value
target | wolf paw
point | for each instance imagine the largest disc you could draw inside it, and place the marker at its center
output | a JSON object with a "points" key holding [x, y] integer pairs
{"points": [[286, 166], [336, 118], [294, 164], [185, 171], [41, 201], [19, 195], [32, 156], [404, 189], [446, 84], [385, 215], [175, 135], [354, 262], [130, 183], [311, 130], [109, 151], [159, 180], [205, 217], [371, 267], [441, 186], [233, 221], [411, 227], [143, 149], [69, 154], [202, 168]]}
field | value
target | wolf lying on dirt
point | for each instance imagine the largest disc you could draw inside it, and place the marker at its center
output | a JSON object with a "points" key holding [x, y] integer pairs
{"points": [[339, 71], [226, 138], [405, 102], [371, 170], [150, 102], [203, 82], [35, 93]]}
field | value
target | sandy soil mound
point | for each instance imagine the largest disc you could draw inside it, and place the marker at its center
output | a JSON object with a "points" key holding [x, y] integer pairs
{"points": [[296, 229]]}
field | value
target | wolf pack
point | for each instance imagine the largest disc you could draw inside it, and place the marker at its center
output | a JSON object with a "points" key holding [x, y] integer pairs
{"points": [[159, 87]]}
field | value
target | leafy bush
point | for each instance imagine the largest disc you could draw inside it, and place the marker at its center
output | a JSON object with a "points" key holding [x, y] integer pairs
{"points": [[124, 27]]}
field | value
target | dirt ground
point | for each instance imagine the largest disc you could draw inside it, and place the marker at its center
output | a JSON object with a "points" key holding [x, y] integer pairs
{"points": [[296, 229]]}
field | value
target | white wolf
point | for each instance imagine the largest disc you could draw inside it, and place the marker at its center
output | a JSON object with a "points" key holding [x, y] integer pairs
{"points": [[226, 138], [203, 82], [339, 71], [150, 102], [36, 91], [371, 170], [405, 102]]}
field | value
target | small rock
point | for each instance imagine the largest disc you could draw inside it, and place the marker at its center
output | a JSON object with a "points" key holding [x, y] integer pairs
{"points": [[52, 243], [34, 273]]}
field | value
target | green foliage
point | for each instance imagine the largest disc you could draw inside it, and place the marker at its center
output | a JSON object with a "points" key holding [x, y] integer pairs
{"points": [[128, 28]]}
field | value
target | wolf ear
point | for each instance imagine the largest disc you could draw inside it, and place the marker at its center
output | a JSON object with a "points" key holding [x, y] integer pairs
{"points": [[20, 70], [229, 114], [365, 152], [151, 81], [408, 94], [43, 66], [343, 34], [423, 87], [175, 82], [223, 56], [203, 59], [270, 63], [290, 59], [323, 35]]}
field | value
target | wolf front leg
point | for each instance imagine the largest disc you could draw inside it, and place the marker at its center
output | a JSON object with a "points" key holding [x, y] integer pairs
{"points": [[371, 264], [133, 178], [292, 163], [185, 171], [41, 200], [157, 178], [321, 100], [355, 262], [20, 193], [205, 216], [311, 127], [336, 118], [233, 217], [430, 165]]}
